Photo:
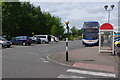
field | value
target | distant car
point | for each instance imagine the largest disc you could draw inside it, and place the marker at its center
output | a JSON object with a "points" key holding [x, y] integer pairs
{"points": [[36, 39], [23, 40], [116, 39], [56, 39], [4, 42], [44, 38]]}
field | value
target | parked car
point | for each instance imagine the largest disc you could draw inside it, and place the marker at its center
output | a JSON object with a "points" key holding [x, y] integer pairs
{"points": [[116, 39], [56, 39], [23, 40], [36, 39], [4, 42], [44, 38]]}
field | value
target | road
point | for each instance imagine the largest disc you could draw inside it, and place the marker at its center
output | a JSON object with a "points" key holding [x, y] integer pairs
{"points": [[31, 61]]}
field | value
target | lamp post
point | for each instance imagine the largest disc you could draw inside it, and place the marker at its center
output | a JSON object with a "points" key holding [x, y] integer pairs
{"points": [[106, 8], [67, 27]]}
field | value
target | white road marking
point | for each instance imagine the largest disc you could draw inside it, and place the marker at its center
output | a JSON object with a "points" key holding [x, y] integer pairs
{"points": [[20, 46], [68, 76], [91, 73], [44, 60]]}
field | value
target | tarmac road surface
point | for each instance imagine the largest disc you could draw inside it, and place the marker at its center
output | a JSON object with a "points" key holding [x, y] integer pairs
{"points": [[31, 61]]}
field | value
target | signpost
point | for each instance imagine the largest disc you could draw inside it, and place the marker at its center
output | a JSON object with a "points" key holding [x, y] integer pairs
{"points": [[106, 38]]}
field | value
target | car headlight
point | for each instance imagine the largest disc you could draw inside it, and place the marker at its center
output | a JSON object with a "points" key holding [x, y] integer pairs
{"points": [[3, 42]]}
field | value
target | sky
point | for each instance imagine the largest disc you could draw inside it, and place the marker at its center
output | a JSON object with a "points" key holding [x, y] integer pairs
{"points": [[79, 11]]}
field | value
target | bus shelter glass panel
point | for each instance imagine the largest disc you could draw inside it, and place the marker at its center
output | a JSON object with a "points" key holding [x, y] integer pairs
{"points": [[106, 40]]}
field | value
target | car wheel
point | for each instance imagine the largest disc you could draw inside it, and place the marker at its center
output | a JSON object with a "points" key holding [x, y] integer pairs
{"points": [[35, 42], [2, 45], [23, 43], [43, 42], [85, 45], [29, 44]]}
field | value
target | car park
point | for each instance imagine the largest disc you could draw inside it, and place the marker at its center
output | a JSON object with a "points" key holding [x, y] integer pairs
{"points": [[23, 40], [44, 38], [36, 40], [4, 42]]}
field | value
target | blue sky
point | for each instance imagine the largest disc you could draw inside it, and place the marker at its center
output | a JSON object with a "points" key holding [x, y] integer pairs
{"points": [[78, 12]]}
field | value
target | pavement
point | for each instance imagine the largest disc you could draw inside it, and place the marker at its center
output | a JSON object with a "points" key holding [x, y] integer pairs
{"points": [[87, 58]]}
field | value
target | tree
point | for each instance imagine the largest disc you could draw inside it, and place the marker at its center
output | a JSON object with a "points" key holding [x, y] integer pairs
{"points": [[24, 18], [79, 32], [10, 18], [54, 30], [74, 30], [57, 31]]}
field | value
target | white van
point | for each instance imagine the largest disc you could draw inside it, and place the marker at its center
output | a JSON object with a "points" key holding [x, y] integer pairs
{"points": [[44, 38]]}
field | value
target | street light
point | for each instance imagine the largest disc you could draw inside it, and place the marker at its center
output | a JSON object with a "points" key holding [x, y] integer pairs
{"points": [[106, 8], [67, 27]]}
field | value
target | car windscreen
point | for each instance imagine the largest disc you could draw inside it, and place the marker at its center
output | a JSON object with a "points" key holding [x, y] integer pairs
{"points": [[21, 37], [42, 36]]}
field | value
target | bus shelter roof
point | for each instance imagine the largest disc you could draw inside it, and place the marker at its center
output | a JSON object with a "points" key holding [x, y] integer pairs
{"points": [[106, 26]]}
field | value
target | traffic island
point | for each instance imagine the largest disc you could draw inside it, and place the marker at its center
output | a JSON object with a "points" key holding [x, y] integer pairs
{"points": [[87, 58]]}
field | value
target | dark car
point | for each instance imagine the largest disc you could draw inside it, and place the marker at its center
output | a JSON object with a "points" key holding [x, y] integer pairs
{"points": [[36, 40], [24, 40]]}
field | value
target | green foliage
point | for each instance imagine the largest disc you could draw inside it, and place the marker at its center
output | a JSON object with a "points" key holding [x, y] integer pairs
{"points": [[24, 18], [74, 30], [79, 32], [54, 30], [71, 38], [57, 29]]}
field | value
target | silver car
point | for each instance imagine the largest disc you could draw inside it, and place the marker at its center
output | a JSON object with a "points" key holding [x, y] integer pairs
{"points": [[4, 42]]}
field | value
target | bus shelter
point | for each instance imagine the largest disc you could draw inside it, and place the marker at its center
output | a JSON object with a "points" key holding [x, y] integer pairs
{"points": [[106, 38]]}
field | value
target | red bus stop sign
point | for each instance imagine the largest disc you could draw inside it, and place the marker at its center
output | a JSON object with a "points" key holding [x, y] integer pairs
{"points": [[106, 26]]}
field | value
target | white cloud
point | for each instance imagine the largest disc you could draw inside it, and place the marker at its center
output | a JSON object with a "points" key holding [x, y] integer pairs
{"points": [[78, 12]]}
